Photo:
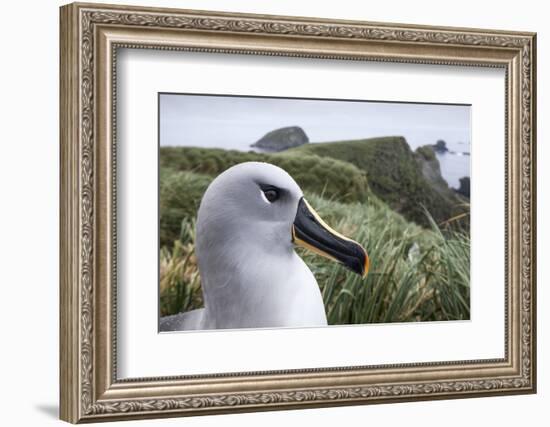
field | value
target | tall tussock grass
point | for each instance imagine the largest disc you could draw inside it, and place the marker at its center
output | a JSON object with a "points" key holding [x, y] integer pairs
{"points": [[416, 274], [179, 284]]}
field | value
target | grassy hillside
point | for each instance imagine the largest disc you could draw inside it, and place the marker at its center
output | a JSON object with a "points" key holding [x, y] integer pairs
{"points": [[331, 177], [395, 175], [372, 190]]}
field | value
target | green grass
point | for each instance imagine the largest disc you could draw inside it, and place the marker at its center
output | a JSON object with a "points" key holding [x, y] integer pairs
{"points": [[416, 274], [180, 196], [180, 288], [335, 179]]}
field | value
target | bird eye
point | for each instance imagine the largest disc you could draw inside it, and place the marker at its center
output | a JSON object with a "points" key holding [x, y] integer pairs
{"points": [[271, 195]]}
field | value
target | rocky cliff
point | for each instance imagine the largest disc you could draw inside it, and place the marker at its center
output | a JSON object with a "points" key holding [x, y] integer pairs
{"points": [[408, 181]]}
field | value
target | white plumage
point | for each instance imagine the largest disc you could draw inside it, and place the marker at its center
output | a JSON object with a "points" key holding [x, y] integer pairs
{"points": [[250, 274]]}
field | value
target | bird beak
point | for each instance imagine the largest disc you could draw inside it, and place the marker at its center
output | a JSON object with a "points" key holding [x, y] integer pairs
{"points": [[311, 232]]}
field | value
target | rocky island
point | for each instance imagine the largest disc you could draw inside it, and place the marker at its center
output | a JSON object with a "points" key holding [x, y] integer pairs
{"points": [[440, 147], [282, 139]]}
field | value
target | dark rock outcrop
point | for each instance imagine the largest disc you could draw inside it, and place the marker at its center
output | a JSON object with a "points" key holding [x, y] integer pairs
{"points": [[282, 139], [464, 188], [431, 170], [440, 147]]}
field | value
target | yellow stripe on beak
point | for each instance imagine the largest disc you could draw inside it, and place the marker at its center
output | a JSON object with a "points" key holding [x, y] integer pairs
{"points": [[311, 232]]}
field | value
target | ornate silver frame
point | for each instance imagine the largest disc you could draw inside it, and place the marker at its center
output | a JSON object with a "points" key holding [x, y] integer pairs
{"points": [[90, 36]]}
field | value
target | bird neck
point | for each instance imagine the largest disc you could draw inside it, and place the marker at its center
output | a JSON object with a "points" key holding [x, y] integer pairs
{"points": [[246, 290]]}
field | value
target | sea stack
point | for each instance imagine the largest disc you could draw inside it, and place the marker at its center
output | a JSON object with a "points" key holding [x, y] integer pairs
{"points": [[440, 147], [464, 188]]}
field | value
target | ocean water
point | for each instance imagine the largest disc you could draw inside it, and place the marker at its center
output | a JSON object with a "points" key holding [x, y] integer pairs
{"points": [[455, 164], [454, 167]]}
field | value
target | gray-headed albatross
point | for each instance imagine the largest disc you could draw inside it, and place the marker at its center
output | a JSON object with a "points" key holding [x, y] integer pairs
{"points": [[249, 220]]}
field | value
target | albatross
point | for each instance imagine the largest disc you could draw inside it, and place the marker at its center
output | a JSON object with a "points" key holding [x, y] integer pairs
{"points": [[249, 221]]}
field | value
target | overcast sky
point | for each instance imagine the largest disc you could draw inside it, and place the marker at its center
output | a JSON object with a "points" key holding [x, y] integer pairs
{"points": [[234, 122]]}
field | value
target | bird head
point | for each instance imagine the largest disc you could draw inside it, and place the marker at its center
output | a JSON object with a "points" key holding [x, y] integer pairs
{"points": [[261, 206]]}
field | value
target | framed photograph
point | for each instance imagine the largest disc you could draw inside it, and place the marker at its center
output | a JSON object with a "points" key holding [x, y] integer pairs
{"points": [[267, 212]]}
